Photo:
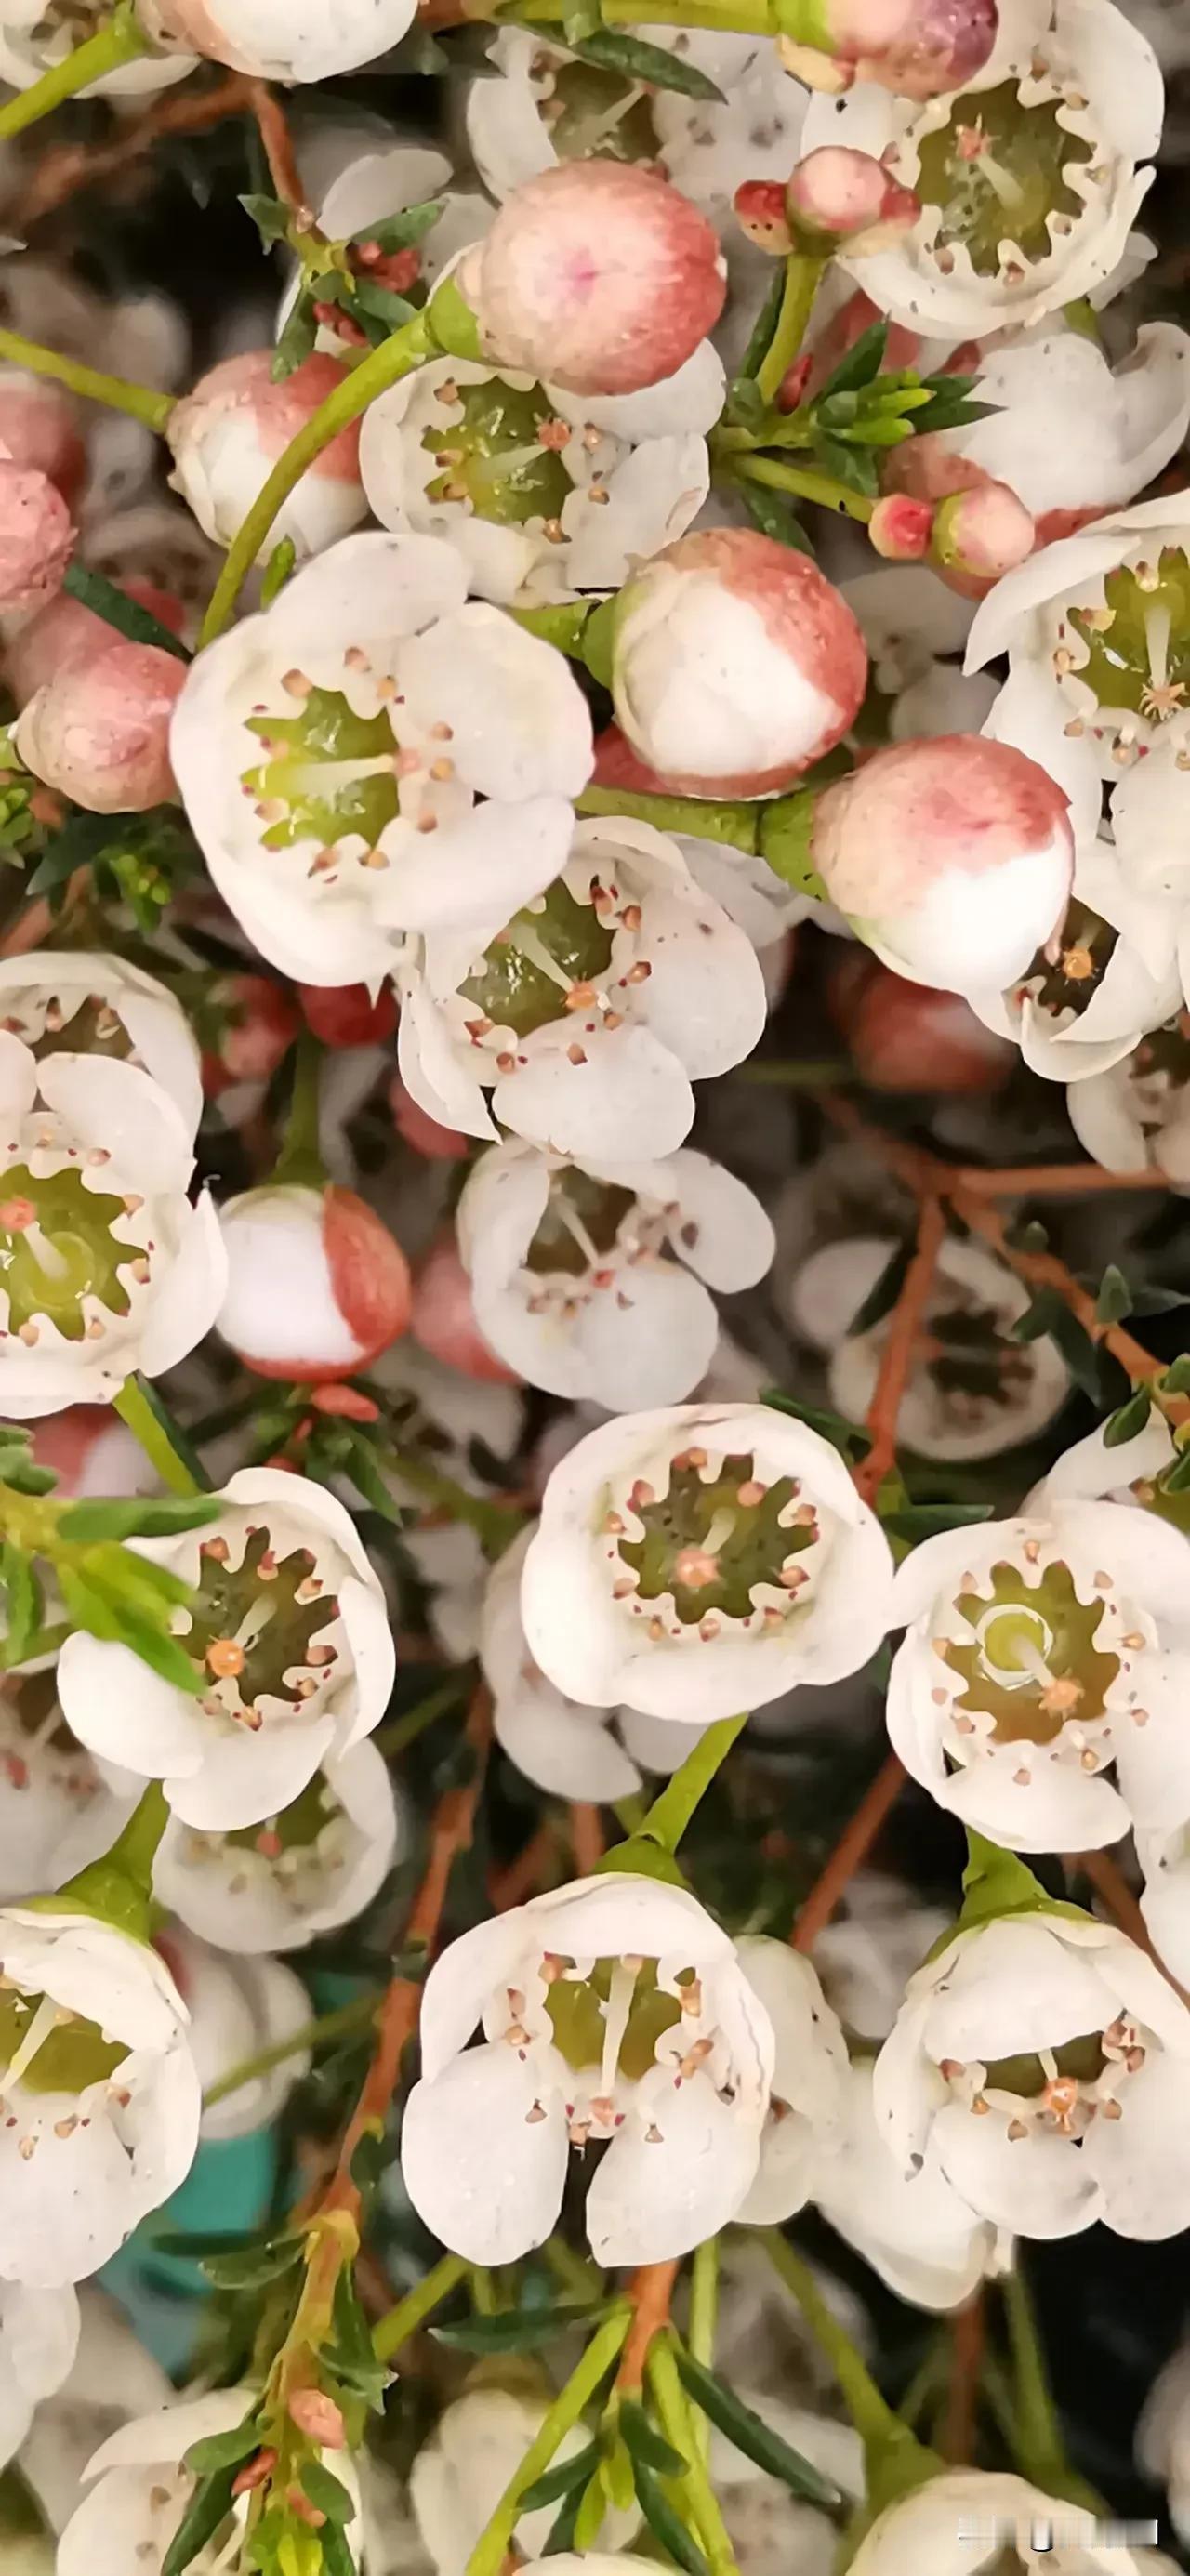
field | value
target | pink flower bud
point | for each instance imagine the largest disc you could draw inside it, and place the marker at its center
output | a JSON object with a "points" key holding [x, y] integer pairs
{"points": [[734, 663], [259, 1025], [597, 275], [900, 527], [65, 632], [98, 730], [982, 532], [837, 198], [444, 1318], [425, 1135], [227, 435], [903, 1037], [39, 427], [760, 212], [317, 1287], [345, 1015], [36, 537], [317, 2416], [952, 858], [919, 48]]}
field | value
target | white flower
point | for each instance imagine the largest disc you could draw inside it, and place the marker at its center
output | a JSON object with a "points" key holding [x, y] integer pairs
{"points": [[275, 40], [994, 2512], [1163, 1851], [1040, 1652], [590, 1007], [290, 1641], [545, 105], [304, 1871], [460, 2474], [112, 2378], [226, 434], [563, 1746], [701, 1560], [542, 493], [1092, 1471], [1028, 179], [238, 2008], [613, 2009], [105, 1267], [1136, 1116], [808, 2099], [32, 43], [332, 754], [1113, 978], [56, 1813], [868, 1951], [1043, 2062], [101, 2095], [139, 2489], [915, 2231], [67, 1001], [915, 630], [39, 2333], [1070, 434], [595, 1284]]}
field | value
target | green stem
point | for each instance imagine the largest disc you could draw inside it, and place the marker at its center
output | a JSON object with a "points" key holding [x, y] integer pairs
{"points": [[317, 2033], [118, 1889], [139, 401], [702, 818], [483, 2291], [121, 40], [896, 2459], [1039, 2448], [803, 276], [495, 1524], [704, 2313], [144, 1421], [487, 2557], [578, 2274], [810, 486], [401, 1732], [396, 357], [395, 2328], [670, 1813], [678, 2426], [299, 1164]]}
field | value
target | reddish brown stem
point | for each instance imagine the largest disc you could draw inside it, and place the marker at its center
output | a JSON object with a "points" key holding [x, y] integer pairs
{"points": [[650, 2290], [1045, 1270], [71, 166], [277, 142], [849, 1854], [1108, 1880], [586, 1836], [1052, 1180], [533, 1868], [897, 1356], [957, 2438]]}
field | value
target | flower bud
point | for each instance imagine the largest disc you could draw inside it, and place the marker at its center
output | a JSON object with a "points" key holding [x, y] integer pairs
{"points": [[345, 1015], [443, 1321], [64, 632], [760, 212], [282, 40], [425, 1135], [36, 537], [982, 532], [39, 427], [257, 1025], [903, 1037], [900, 528], [98, 730], [919, 48], [596, 275], [951, 857], [734, 664], [316, 1288], [838, 199], [227, 435]]}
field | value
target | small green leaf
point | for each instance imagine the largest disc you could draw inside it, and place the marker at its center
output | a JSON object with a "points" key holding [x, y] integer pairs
{"points": [[883, 1294], [208, 2507], [751, 2435], [1049, 1313], [862, 363], [1114, 1300], [224, 2450], [561, 2479], [23, 1600], [646, 2445], [297, 337], [775, 514], [1158, 1301], [337, 2559], [917, 1521], [615, 50], [518, 2329], [326, 2491], [1130, 1419], [410, 224], [382, 303], [1177, 1376], [852, 466], [762, 330], [849, 1438], [270, 215], [564, 2526], [106, 600], [666, 2524], [146, 1517], [256, 2266], [1177, 1478]]}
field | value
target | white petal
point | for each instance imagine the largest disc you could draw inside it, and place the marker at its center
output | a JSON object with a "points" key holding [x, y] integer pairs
{"points": [[653, 2198], [482, 2171]]}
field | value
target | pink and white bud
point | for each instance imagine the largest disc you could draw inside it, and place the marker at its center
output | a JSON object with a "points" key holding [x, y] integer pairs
{"points": [[598, 276], [257, 1026], [900, 527], [36, 537], [64, 633], [227, 435], [904, 1037], [425, 1135], [982, 533], [918, 48], [282, 40], [444, 1316], [760, 212], [735, 664], [951, 857], [39, 428], [347, 1015], [98, 730], [839, 199], [317, 1287]]}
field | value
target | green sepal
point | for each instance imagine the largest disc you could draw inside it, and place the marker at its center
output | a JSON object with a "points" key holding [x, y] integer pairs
{"points": [[118, 1890], [786, 838], [451, 323], [997, 1883], [641, 1857], [597, 640]]}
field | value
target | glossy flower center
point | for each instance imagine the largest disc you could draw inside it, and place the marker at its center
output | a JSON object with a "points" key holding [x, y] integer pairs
{"points": [[1031, 1664], [1137, 639], [295, 1829], [582, 1220], [554, 950], [57, 1248], [252, 1626], [1064, 987], [1053, 2091], [503, 452], [712, 1537], [48, 2049], [618, 2002], [996, 173], [593, 114], [328, 773]]}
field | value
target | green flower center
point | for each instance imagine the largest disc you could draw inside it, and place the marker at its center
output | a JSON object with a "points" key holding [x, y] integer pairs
{"points": [[995, 171], [582, 1219], [56, 1248], [1080, 2061], [296, 1828], [328, 772], [1138, 641], [577, 2012], [65, 2051], [1032, 1663], [252, 1624], [709, 1540], [502, 451], [1088, 945], [597, 115], [554, 946]]}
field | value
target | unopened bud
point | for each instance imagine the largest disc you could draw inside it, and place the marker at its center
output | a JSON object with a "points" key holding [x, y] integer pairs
{"points": [[905, 1037], [98, 731], [317, 2416], [900, 527], [36, 537], [760, 213], [982, 532], [843, 200], [317, 1287], [918, 48], [228, 434]]}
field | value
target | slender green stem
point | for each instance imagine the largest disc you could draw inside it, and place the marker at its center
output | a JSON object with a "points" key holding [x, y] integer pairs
{"points": [[578, 2274], [396, 357], [670, 1813], [630, 1812], [495, 1524], [679, 2427], [314, 2034], [896, 2459], [735, 825], [803, 276], [118, 1888], [704, 2313], [1039, 2448], [121, 40], [394, 2329], [299, 1163], [139, 401], [144, 1421], [401, 1732], [488, 2555], [803, 480]]}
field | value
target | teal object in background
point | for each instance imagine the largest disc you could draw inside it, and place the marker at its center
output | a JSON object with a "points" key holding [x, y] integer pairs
{"points": [[229, 2186]]}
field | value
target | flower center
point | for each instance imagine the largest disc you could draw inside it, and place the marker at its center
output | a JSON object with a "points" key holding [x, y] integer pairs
{"points": [[582, 1220], [88, 1026], [996, 173], [252, 1623], [1051, 2091], [296, 1829], [1064, 988], [56, 1248], [554, 950], [619, 2002], [328, 772], [49, 2049], [1032, 1664], [502, 450], [969, 1357], [595, 114], [1137, 640], [711, 1539]]}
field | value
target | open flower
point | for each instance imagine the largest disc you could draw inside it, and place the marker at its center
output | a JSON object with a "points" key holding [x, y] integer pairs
{"points": [[596, 1284], [616, 2010], [461, 2473], [1135, 1117], [808, 2097], [1114, 976], [1040, 1652], [226, 435], [71, 1001], [916, 2231], [105, 1267], [39, 2333], [56, 1811], [302, 1871], [701, 1560], [100, 2090], [868, 1951], [289, 1638], [1028, 176], [317, 1287], [997, 2514], [374, 755], [915, 630], [542, 492], [590, 1009], [1044, 2061]]}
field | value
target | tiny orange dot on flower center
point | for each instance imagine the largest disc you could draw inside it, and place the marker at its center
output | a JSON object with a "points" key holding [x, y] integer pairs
{"points": [[225, 1658]]}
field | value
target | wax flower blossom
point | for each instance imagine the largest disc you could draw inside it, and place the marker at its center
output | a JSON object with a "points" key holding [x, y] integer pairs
{"points": [[1114, 976], [37, 537], [918, 48], [460, 2474], [915, 2231], [100, 2090], [323, 746], [280, 43], [227, 434], [915, 630], [542, 492], [590, 1008], [139, 2488], [596, 1284], [703, 1559], [105, 1267], [316, 1288], [239, 2009], [304, 1870], [56, 1812], [39, 2333], [71, 1001], [1136, 1116], [1028, 175], [612, 2010], [97, 729], [997, 2514], [807, 2113], [289, 1635]]}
